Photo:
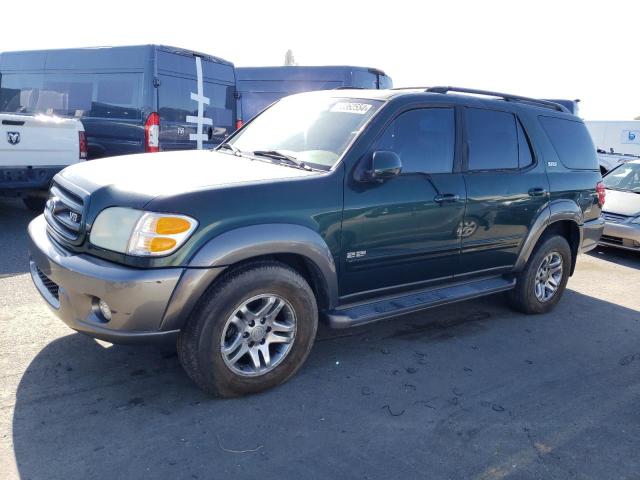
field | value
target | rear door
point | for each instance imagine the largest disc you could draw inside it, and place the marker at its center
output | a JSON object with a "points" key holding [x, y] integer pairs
{"points": [[196, 99], [506, 189]]}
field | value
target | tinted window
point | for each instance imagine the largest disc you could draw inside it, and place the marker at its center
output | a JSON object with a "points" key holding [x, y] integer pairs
{"points": [[385, 82], [364, 80], [525, 157], [175, 98], [176, 104], [492, 138], [424, 139], [72, 94], [572, 143], [254, 102], [220, 109]]}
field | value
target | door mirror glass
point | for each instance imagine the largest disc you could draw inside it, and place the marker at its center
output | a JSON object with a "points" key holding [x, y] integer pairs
{"points": [[384, 165]]}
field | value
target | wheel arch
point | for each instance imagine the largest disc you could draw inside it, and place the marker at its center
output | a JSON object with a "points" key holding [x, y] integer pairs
{"points": [[296, 246], [562, 217]]}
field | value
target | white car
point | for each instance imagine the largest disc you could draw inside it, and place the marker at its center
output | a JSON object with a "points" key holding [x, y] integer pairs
{"points": [[609, 161], [33, 149]]}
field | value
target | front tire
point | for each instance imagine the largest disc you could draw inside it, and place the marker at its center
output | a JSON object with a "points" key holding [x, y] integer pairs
{"points": [[251, 331], [540, 285]]}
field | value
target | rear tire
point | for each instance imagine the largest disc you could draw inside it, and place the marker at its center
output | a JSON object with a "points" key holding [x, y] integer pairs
{"points": [[539, 286], [223, 317]]}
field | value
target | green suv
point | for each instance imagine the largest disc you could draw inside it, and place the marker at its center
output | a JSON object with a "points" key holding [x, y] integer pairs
{"points": [[343, 206]]}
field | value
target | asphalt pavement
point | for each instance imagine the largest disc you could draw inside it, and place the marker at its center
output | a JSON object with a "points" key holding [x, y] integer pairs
{"points": [[466, 391]]}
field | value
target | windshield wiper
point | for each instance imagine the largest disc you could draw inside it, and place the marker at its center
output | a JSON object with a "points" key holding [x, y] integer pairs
{"points": [[230, 146], [277, 155]]}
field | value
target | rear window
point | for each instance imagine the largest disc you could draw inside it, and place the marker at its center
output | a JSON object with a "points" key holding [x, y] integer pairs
{"points": [[176, 103], [572, 143], [104, 95], [254, 102]]}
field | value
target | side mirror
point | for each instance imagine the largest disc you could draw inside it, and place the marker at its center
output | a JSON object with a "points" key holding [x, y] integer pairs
{"points": [[384, 165]]}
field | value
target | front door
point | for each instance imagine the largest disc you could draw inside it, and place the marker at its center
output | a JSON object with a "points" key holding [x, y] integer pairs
{"points": [[506, 189], [404, 232]]}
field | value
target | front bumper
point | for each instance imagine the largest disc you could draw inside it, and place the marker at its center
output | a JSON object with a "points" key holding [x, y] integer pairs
{"points": [[72, 284], [624, 235]]}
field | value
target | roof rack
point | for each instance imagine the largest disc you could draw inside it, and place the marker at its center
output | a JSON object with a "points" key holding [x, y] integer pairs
{"points": [[410, 88], [505, 96]]}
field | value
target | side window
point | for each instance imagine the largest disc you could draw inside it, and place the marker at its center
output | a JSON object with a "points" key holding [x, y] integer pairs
{"points": [[424, 139], [572, 142], [102, 95], [117, 96], [492, 138], [525, 157]]}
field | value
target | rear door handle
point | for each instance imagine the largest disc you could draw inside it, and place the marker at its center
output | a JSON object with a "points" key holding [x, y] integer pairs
{"points": [[447, 198], [537, 192]]}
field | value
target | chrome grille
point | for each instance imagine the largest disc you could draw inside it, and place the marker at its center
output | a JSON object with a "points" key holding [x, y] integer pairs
{"points": [[64, 213], [614, 217], [610, 239]]}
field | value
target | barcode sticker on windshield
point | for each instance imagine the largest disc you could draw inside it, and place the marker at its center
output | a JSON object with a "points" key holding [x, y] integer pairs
{"points": [[351, 107]]}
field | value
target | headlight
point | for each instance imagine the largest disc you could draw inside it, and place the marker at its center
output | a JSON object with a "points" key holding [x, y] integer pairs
{"points": [[139, 233]]}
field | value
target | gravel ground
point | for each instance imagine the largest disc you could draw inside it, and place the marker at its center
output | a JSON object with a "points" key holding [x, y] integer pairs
{"points": [[472, 390]]}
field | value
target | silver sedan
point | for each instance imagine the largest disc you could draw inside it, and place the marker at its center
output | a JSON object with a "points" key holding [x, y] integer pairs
{"points": [[622, 207]]}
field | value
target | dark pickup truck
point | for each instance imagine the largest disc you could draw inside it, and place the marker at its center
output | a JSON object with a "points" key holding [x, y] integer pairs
{"points": [[371, 204]]}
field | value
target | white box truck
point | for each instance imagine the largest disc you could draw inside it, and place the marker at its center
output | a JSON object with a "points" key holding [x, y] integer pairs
{"points": [[617, 141]]}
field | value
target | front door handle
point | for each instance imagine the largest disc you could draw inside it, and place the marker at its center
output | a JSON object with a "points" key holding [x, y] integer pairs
{"points": [[446, 198], [537, 192]]}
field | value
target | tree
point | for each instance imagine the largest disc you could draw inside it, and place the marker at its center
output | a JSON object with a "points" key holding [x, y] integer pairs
{"points": [[289, 60]]}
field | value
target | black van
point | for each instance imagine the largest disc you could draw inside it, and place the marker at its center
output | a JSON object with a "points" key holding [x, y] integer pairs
{"points": [[259, 87], [130, 99]]}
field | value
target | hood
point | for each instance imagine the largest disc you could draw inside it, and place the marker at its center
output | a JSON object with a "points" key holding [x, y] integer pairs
{"points": [[622, 203], [149, 175]]}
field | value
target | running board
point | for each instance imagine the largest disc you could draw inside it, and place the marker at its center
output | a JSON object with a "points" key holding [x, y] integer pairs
{"points": [[361, 313]]}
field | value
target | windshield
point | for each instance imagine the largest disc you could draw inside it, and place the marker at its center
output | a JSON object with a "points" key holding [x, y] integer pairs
{"points": [[625, 177], [105, 95], [314, 129]]}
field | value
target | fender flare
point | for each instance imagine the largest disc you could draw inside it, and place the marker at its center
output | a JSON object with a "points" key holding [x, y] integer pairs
{"points": [[555, 211], [242, 244]]}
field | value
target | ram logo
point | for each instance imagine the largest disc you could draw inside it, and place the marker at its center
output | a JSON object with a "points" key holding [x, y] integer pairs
{"points": [[13, 138]]}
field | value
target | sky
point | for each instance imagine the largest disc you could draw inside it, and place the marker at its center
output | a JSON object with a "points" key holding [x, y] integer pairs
{"points": [[547, 49]]}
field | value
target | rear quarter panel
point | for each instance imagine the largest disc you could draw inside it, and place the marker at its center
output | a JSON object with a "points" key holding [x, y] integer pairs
{"points": [[575, 185]]}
